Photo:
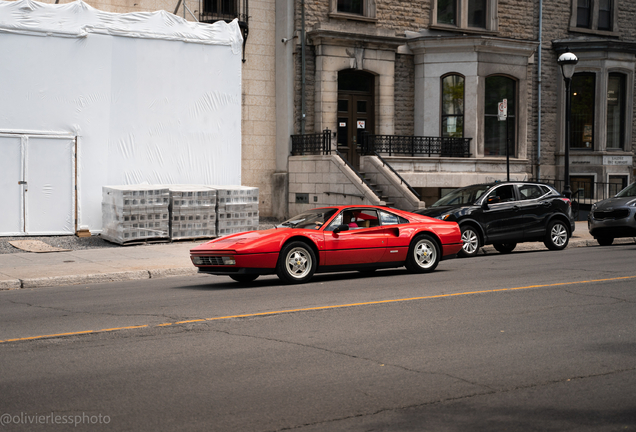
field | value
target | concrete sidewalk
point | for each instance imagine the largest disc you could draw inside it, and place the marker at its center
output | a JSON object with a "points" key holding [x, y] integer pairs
{"points": [[32, 270]]}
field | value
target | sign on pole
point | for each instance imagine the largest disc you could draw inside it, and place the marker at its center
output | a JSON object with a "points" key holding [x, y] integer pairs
{"points": [[502, 110]]}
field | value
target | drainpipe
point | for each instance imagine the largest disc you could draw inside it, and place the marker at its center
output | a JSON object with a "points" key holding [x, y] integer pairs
{"points": [[539, 93], [302, 73]]}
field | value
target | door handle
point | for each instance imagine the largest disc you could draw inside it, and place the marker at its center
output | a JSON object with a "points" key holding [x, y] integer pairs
{"points": [[22, 182], [545, 203]]}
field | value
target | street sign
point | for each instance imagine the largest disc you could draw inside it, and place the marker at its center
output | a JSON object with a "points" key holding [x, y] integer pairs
{"points": [[502, 110]]}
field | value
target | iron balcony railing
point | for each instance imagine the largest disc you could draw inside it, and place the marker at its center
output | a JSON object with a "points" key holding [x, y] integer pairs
{"points": [[312, 144], [416, 145]]}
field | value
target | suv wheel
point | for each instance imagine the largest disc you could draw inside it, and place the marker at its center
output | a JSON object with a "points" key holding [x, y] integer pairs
{"points": [[471, 242], [557, 237]]}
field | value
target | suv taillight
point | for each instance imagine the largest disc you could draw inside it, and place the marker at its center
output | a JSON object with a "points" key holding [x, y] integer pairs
{"points": [[566, 200]]}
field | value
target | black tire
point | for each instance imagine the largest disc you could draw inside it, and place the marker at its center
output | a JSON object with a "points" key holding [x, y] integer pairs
{"points": [[296, 263], [605, 241], [557, 236], [424, 254], [505, 248], [472, 243], [244, 278]]}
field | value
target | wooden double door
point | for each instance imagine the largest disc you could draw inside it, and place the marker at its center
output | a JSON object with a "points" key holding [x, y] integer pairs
{"points": [[356, 114]]}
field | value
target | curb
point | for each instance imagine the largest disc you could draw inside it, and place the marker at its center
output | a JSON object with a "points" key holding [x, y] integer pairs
{"points": [[53, 281]]}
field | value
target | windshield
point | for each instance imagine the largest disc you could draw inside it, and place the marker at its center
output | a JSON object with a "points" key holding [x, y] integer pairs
{"points": [[466, 195], [312, 219], [629, 191]]}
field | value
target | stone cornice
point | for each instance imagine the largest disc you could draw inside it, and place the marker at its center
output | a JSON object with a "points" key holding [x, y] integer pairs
{"points": [[469, 43], [593, 44], [323, 36]]}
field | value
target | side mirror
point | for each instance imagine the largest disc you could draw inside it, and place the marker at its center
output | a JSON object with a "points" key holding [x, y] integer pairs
{"points": [[342, 227], [484, 205]]}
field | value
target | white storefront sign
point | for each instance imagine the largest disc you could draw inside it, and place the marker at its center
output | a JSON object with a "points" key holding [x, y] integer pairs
{"points": [[617, 160]]}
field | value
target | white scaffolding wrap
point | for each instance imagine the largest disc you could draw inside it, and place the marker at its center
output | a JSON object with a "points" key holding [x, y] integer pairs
{"points": [[144, 98]]}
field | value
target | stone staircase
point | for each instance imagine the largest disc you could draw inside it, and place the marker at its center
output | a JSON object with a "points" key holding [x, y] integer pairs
{"points": [[379, 191]]}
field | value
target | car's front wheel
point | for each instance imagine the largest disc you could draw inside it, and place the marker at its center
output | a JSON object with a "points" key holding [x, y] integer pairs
{"points": [[471, 241], [296, 263], [243, 278], [504, 248], [557, 237], [605, 241], [424, 254]]}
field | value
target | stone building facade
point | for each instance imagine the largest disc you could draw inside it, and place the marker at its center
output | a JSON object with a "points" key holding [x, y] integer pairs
{"points": [[440, 68]]}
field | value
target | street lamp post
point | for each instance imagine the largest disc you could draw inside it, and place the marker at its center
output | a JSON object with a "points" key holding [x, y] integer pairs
{"points": [[567, 61]]}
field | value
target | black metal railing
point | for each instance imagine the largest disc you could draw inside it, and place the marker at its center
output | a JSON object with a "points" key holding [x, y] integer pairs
{"points": [[211, 11], [585, 193], [312, 144], [416, 145]]}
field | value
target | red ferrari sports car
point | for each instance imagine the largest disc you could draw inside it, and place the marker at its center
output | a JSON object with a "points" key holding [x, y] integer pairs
{"points": [[338, 238]]}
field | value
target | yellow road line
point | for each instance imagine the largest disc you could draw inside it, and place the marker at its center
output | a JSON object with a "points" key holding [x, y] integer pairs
{"points": [[317, 308]]}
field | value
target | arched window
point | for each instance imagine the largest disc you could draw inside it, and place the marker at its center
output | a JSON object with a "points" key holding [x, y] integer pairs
{"points": [[453, 106], [497, 133]]}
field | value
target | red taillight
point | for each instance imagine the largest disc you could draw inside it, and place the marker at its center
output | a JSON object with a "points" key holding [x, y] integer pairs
{"points": [[566, 200]]}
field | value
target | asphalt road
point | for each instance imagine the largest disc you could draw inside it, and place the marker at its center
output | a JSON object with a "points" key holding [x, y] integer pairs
{"points": [[528, 341]]}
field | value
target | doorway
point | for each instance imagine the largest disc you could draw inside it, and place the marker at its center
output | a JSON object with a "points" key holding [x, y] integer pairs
{"points": [[356, 112], [37, 184]]}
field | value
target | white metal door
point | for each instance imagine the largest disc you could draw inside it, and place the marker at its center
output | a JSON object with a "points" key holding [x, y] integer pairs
{"points": [[37, 184], [11, 191], [49, 198]]}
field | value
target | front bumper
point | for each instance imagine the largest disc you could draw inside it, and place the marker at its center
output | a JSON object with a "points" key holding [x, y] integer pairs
{"points": [[613, 227]]}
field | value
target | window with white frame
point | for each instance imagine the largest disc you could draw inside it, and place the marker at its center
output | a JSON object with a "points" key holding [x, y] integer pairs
{"points": [[478, 15], [591, 16]]}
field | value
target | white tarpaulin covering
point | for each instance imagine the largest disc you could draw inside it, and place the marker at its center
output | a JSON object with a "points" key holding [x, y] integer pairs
{"points": [[144, 97]]}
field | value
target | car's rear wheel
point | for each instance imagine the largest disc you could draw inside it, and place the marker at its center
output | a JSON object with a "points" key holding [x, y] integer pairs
{"points": [[557, 237], [296, 263], [505, 248], [605, 241], [471, 241], [244, 277], [424, 254]]}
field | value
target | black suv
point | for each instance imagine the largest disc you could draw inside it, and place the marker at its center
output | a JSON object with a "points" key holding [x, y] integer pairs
{"points": [[506, 213]]}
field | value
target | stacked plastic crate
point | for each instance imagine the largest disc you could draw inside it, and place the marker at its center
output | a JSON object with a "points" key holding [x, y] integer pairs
{"points": [[237, 209], [135, 213], [192, 212]]}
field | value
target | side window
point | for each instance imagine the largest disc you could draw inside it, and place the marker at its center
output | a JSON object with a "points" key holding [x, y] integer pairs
{"points": [[366, 218], [390, 219], [529, 192], [502, 194]]}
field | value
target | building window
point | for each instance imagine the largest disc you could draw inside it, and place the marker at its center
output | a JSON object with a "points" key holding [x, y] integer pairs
{"points": [[605, 15], [616, 91], [477, 15], [363, 10], [351, 6], [583, 14], [582, 114], [453, 106], [499, 133], [591, 16], [447, 12]]}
